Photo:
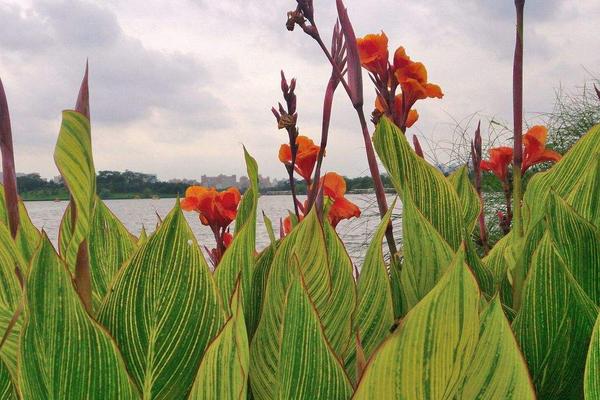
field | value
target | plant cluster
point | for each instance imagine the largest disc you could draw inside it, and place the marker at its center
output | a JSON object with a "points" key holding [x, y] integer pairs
{"points": [[113, 316]]}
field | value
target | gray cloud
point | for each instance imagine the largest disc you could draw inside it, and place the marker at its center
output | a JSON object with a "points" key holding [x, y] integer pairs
{"points": [[177, 86]]}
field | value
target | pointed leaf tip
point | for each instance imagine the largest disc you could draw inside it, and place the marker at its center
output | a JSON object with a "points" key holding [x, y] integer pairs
{"points": [[83, 99]]}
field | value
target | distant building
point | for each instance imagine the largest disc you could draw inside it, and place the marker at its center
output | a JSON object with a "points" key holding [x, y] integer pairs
{"points": [[244, 182], [220, 181]]}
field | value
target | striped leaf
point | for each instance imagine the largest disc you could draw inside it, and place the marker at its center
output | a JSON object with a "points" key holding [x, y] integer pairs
{"points": [[432, 193], [64, 353], [469, 200], [554, 325], [309, 368], [73, 157], [305, 247], [591, 382], [10, 348], [258, 287], [584, 198], [336, 314], [239, 256], [578, 243], [223, 372], [498, 370], [484, 276], [110, 245], [7, 387], [163, 309], [375, 311], [27, 234], [428, 356], [10, 257], [564, 176], [426, 254]]}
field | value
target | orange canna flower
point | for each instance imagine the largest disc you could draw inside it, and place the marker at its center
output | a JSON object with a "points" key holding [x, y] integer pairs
{"points": [[412, 77], [373, 52], [534, 151], [306, 156], [216, 209], [413, 115], [227, 239], [334, 186], [500, 159]]}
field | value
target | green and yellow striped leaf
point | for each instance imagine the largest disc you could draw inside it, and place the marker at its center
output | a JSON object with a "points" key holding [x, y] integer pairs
{"points": [[578, 243], [309, 368], [258, 287], [426, 254], [564, 176], [591, 381], [7, 387], [554, 325], [73, 157], [432, 193], [27, 234], [336, 315], [110, 245], [10, 257], [428, 356], [469, 200], [375, 310], [584, 198], [305, 247], [64, 353], [223, 372], [497, 370], [10, 348], [239, 257], [163, 309]]}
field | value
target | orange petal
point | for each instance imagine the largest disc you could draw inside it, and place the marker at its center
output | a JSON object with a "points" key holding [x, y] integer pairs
{"points": [[195, 191], [189, 203], [373, 52], [342, 208], [413, 116], [538, 133], [227, 239], [434, 91], [401, 60], [285, 153], [334, 185]]}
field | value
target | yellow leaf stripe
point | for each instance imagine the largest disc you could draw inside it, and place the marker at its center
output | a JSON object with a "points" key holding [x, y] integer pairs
{"points": [[223, 372], [554, 325], [498, 369], [64, 354], [163, 309], [309, 368], [73, 157], [429, 354], [239, 257], [469, 201]]}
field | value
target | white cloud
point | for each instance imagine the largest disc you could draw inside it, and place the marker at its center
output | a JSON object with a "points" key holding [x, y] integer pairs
{"points": [[178, 86]]}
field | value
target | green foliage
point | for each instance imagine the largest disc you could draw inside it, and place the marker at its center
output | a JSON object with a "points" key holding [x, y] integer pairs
{"points": [[293, 321]]}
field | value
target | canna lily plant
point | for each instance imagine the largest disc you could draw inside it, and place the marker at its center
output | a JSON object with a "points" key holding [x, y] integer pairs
{"points": [[108, 315]]}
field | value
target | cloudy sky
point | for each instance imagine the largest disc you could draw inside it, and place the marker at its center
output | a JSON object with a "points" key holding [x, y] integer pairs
{"points": [[178, 86]]}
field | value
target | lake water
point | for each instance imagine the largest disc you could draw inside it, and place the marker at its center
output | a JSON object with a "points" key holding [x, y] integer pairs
{"points": [[139, 213]]}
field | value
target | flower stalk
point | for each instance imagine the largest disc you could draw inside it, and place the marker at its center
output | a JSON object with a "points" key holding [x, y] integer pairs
{"points": [[519, 277], [476, 156], [8, 165]]}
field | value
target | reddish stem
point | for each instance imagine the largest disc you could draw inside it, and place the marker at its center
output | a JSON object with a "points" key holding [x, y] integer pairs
{"points": [[8, 165]]}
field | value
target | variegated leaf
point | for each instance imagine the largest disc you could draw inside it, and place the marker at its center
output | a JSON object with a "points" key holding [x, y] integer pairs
{"points": [[469, 200], [163, 309]]}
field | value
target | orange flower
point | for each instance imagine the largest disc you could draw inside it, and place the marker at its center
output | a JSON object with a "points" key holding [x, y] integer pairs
{"points": [[500, 159], [306, 157], [534, 151], [412, 77], [334, 186], [373, 52], [227, 239], [413, 115], [216, 209]]}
